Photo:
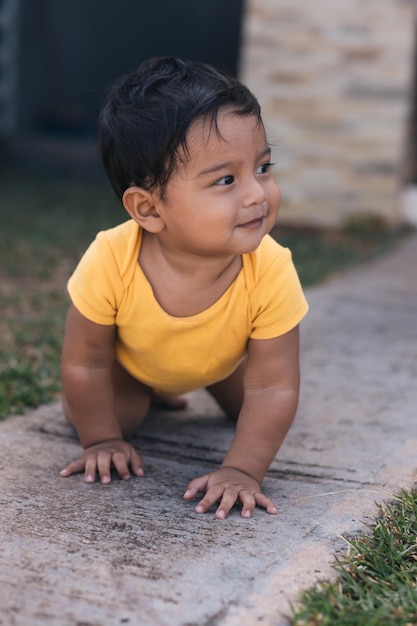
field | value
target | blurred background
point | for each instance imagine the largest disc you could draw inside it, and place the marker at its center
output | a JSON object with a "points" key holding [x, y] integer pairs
{"points": [[59, 56]]}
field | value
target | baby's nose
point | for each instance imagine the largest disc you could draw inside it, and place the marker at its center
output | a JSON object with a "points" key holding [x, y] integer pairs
{"points": [[254, 193]]}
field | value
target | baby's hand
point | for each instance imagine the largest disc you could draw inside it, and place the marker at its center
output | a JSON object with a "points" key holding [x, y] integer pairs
{"points": [[102, 456], [228, 485]]}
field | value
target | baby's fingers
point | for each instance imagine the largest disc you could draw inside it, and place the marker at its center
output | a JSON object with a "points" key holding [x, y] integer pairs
{"points": [[249, 501], [198, 485], [212, 496], [73, 468], [265, 503], [103, 463], [136, 463], [121, 465]]}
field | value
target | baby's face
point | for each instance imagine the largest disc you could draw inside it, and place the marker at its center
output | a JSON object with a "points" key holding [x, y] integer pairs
{"points": [[222, 198]]}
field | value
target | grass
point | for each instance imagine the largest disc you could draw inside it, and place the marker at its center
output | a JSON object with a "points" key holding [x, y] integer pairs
{"points": [[377, 581], [47, 224], [320, 254]]}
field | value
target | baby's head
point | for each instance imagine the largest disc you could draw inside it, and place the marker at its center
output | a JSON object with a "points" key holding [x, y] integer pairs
{"points": [[146, 117]]}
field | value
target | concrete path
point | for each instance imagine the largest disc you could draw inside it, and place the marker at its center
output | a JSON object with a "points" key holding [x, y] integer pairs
{"points": [[135, 553]]}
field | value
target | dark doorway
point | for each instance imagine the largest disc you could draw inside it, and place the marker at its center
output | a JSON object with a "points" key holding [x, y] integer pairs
{"points": [[72, 50]]}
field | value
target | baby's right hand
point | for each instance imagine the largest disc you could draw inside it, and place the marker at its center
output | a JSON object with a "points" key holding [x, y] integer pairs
{"points": [[102, 456]]}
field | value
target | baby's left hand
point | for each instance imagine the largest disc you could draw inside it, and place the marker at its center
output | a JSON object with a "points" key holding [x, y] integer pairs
{"points": [[229, 485]]}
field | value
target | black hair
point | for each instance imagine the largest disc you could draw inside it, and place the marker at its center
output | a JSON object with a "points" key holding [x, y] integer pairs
{"points": [[146, 116]]}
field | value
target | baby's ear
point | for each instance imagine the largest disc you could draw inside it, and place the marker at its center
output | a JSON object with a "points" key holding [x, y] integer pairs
{"points": [[141, 206]]}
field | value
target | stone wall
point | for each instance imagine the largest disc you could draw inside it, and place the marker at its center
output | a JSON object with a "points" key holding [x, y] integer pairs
{"points": [[334, 78]]}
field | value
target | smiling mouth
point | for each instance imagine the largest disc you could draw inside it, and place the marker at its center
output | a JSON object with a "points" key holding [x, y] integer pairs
{"points": [[253, 223]]}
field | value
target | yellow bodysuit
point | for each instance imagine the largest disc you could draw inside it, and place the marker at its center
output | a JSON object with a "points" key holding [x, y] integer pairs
{"points": [[171, 354]]}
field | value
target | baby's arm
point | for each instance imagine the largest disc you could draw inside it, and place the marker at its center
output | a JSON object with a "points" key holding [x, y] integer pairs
{"points": [[88, 398], [271, 391]]}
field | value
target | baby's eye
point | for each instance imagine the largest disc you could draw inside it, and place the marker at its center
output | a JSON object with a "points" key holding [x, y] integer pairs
{"points": [[225, 180], [264, 168]]}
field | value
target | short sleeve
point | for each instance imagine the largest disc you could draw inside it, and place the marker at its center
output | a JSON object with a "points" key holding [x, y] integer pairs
{"points": [[96, 287], [278, 303]]}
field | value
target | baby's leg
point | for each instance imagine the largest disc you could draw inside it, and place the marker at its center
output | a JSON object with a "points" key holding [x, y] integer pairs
{"points": [[229, 392], [131, 400]]}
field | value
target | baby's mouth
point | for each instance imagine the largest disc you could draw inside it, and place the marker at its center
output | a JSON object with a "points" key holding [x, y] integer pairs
{"points": [[253, 223]]}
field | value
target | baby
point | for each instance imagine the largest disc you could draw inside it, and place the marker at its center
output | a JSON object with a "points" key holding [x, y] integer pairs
{"points": [[191, 291]]}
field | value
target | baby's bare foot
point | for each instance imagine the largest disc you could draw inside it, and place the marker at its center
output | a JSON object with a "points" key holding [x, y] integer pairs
{"points": [[172, 403]]}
